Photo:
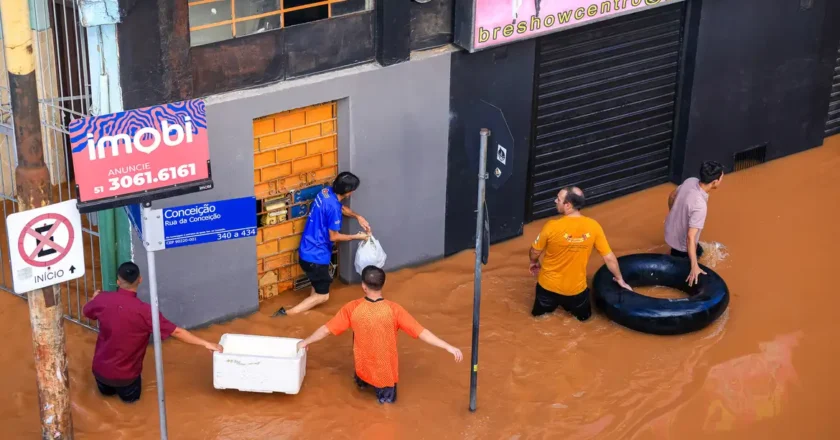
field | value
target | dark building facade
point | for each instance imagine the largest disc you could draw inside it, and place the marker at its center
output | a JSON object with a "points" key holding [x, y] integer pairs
{"points": [[641, 99], [613, 96]]}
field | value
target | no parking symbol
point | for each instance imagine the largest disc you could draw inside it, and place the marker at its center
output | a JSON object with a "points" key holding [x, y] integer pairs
{"points": [[38, 245], [45, 246]]}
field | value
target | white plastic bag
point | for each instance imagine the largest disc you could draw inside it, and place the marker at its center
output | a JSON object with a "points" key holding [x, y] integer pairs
{"points": [[370, 253]]}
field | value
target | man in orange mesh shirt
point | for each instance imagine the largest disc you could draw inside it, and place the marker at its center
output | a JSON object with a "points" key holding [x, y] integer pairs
{"points": [[375, 321]]}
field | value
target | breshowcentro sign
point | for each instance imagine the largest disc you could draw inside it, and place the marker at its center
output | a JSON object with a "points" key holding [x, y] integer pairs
{"points": [[481, 24]]}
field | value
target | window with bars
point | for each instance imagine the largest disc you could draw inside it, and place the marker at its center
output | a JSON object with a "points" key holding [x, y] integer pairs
{"points": [[218, 20]]}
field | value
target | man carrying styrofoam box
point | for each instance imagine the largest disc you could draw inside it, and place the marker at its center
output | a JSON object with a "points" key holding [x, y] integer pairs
{"points": [[375, 321]]}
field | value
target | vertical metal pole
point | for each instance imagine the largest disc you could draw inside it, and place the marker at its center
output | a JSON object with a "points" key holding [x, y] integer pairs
{"points": [[153, 298], [106, 220], [107, 249], [114, 231], [32, 181], [479, 224], [122, 235]]}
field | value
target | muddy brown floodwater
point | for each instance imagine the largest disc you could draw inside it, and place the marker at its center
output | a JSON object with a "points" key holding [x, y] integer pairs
{"points": [[765, 370]]}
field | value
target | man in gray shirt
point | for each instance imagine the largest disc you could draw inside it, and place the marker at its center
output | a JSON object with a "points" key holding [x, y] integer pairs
{"points": [[687, 216]]}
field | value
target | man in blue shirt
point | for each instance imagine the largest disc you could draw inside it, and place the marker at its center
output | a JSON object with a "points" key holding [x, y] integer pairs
{"points": [[319, 234]]}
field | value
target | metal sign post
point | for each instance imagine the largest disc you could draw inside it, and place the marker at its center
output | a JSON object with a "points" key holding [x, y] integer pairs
{"points": [[139, 156], [153, 299], [187, 225], [479, 225]]}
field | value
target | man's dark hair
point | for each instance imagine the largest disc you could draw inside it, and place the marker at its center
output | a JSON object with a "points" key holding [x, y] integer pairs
{"points": [[345, 182], [574, 195], [373, 277], [710, 171], [128, 272]]}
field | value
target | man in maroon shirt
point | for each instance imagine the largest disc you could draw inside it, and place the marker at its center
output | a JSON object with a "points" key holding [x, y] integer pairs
{"points": [[125, 325]]}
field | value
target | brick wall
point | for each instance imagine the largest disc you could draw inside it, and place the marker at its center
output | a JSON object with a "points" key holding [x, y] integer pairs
{"points": [[292, 150]]}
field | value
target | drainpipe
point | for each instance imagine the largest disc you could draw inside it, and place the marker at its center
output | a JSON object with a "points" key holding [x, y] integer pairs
{"points": [[32, 184], [100, 18]]}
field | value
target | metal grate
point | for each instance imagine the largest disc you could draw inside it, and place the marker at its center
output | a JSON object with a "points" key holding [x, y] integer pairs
{"points": [[219, 20], [832, 124], [63, 83], [750, 158], [605, 107]]}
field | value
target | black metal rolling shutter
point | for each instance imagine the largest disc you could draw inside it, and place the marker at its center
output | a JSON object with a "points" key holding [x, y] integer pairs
{"points": [[605, 104], [832, 125]]}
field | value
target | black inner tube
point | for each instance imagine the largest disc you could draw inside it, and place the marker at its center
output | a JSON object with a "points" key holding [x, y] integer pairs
{"points": [[705, 302]]}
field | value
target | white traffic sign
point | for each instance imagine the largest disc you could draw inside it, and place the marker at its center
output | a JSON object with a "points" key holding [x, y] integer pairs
{"points": [[46, 246]]}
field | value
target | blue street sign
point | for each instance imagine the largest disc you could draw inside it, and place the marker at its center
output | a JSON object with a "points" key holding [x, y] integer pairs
{"points": [[209, 222]]}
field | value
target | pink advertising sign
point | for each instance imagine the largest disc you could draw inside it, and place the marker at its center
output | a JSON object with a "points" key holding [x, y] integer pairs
{"points": [[489, 23], [140, 155]]}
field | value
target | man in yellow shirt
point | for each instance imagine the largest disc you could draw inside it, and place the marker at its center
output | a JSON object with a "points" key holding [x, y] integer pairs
{"points": [[567, 243]]}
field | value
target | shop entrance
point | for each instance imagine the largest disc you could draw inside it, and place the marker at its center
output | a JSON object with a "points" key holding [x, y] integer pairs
{"points": [[605, 103], [295, 156]]}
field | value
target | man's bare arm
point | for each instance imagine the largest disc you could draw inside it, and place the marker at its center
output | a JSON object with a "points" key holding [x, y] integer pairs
{"points": [[691, 240], [319, 334], [362, 221], [430, 338], [534, 266], [672, 198], [348, 212], [695, 273], [336, 236], [185, 336], [612, 264], [534, 255]]}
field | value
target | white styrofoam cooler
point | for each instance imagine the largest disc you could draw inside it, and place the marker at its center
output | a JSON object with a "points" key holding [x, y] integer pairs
{"points": [[260, 364]]}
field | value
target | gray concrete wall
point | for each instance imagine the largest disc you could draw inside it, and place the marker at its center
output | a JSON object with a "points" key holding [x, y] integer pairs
{"points": [[393, 128]]}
